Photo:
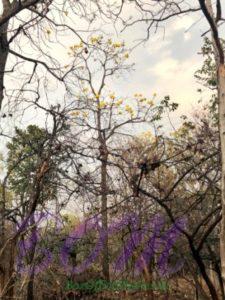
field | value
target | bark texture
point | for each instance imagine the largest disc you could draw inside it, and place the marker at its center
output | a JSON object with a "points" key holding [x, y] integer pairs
{"points": [[221, 94], [105, 252], [207, 8]]}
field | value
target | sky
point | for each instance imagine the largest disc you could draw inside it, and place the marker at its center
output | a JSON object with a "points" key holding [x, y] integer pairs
{"points": [[167, 62], [164, 65]]}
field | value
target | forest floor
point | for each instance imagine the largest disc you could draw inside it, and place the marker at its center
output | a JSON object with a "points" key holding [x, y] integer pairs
{"points": [[129, 296]]}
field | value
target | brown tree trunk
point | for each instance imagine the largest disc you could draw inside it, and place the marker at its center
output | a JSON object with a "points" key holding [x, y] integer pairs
{"points": [[30, 285], [3, 58], [105, 251], [207, 9], [103, 155], [196, 255], [221, 94], [2, 242], [7, 264]]}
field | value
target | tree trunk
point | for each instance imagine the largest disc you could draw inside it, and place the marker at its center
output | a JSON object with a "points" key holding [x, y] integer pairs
{"points": [[219, 59], [2, 242], [105, 252], [3, 58], [30, 284], [7, 265], [198, 259], [221, 96], [30, 287]]}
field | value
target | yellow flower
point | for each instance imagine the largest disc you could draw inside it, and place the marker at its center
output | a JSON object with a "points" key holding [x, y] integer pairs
{"points": [[97, 96], [120, 112], [142, 99], [126, 55], [102, 104], [85, 114], [154, 94], [75, 113], [138, 95], [112, 96], [150, 103], [76, 46], [129, 109], [85, 90], [119, 102], [110, 41], [95, 39], [117, 45]]}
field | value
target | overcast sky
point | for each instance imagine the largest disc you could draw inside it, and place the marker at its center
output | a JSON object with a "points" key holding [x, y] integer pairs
{"points": [[167, 62], [164, 65]]}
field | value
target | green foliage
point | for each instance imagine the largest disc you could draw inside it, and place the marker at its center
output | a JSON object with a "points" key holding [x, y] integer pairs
{"points": [[207, 75], [25, 151]]}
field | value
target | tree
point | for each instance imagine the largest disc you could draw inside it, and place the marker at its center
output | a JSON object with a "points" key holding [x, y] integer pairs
{"points": [[101, 119], [35, 156], [181, 178], [28, 145]]}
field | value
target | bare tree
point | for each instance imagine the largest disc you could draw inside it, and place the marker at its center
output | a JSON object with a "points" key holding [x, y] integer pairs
{"points": [[191, 187], [102, 120]]}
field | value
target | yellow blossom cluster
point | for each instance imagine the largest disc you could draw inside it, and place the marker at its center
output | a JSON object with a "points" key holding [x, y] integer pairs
{"points": [[119, 102], [138, 95], [76, 46], [144, 100], [102, 104], [75, 113], [130, 110], [118, 45], [112, 96], [96, 39], [150, 103], [97, 96]]}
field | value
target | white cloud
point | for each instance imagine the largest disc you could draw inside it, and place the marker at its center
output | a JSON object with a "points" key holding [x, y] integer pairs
{"points": [[176, 78], [184, 22]]}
